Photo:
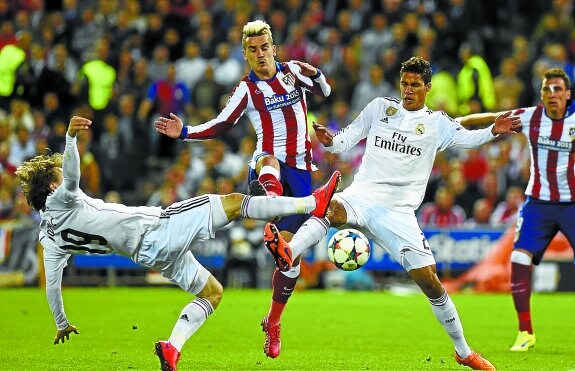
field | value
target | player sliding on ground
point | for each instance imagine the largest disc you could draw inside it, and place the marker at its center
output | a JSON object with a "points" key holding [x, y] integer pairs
{"points": [[403, 137], [160, 239]]}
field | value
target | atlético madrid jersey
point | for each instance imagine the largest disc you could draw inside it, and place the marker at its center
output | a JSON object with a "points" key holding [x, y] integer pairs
{"points": [[277, 109], [400, 149], [552, 147]]}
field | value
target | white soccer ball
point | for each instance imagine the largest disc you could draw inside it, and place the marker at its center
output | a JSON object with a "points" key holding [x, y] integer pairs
{"points": [[348, 249]]}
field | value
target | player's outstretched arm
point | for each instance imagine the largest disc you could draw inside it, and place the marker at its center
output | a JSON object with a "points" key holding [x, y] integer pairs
{"points": [[323, 134], [171, 127], [506, 124], [64, 334]]}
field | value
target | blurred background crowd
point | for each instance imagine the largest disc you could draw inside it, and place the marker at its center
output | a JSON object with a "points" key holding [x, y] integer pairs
{"points": [[123, 63]]}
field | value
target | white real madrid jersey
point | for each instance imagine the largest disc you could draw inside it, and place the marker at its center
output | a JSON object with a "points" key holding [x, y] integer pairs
{"points": [[77, 223], [401, 146]]}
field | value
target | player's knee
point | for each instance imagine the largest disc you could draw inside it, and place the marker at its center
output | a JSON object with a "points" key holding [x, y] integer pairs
{"points": [[336, 214], [212, 292]]}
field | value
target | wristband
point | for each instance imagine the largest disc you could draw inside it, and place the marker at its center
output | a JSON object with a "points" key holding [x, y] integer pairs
{"points": [[318, 74], [184, 133]]}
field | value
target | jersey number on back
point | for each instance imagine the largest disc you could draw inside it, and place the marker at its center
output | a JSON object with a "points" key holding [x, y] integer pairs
{"points": [[79, 239]]}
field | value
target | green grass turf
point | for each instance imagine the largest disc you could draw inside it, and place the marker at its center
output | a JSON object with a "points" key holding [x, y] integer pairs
{"points": [[322, 330]]}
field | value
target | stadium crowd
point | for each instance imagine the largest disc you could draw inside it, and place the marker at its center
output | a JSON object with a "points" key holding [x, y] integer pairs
{"points": [[123, 63]]}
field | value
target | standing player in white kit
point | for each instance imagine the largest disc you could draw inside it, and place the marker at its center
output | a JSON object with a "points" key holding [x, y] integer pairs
{"points": [[161, 239], [402, 140]]}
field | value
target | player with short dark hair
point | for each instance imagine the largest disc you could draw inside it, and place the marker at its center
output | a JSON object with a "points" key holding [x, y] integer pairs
{"points": [[273, 96], [153, 237], [550, 205], [402, 140]]}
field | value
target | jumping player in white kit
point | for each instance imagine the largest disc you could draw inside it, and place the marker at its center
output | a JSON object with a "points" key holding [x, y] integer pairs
{"points": [[402, 139], [161, 239]]}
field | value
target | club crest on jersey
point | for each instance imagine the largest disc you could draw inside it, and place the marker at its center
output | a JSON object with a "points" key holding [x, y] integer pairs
{"points": [[289, 79], [390, 111], [420, 129], [572, 133]]}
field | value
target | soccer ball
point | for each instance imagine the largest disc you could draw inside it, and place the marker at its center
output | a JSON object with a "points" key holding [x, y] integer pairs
{"points": [[348, 249]]}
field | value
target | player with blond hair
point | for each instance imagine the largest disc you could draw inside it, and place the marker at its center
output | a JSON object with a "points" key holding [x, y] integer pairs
{"points": [[273, 96]]}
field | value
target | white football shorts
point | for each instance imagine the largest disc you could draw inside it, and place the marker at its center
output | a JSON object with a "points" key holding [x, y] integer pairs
{"points": [[167, 247], [396, 231]]}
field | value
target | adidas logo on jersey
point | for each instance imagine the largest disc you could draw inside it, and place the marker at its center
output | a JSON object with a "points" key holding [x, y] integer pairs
{"points": [[385, 120]]}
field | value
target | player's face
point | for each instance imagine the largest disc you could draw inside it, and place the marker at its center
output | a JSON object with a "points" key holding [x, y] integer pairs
{"points": [[413, 91], [554, 95], [259, 53], [59, 179]]}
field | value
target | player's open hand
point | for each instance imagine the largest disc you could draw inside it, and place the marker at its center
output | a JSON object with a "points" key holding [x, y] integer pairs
{"points": [[65, 334], [506, 123], [306, 69], [323, 134], [171, 127], [78, 123]]}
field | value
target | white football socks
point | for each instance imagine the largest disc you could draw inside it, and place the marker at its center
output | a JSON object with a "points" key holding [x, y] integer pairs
{"points": [[309, 234], [266, 208], [191, 318], [446, 314]]}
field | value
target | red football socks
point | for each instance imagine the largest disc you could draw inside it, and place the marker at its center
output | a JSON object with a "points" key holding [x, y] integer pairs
{"points": [[521, 290]]}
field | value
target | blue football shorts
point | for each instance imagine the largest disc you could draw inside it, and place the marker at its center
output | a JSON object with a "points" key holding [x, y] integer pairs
{"points": [[296, 183], [539, 221]]}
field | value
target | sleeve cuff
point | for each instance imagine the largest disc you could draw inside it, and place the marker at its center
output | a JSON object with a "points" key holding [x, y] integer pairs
{"points": [[318, 74], [184, 133]]}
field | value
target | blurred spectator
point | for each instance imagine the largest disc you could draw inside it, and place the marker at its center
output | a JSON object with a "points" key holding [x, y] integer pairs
{"points": [[98, 78], [443, 96], [227, 70], [206, 95], [369, 88], [474, 165], [20, 115], [191, 67], [507, 85], [482, 210], [85, 34], [506, 212], [114, 160], [22, 147], [443, 212], [376, 38], [165, 96], [6, 166], [12, 58], [475, 83]]}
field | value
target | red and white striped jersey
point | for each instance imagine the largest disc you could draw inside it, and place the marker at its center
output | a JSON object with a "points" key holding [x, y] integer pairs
{"points": [[277, 109], [552, 147]]}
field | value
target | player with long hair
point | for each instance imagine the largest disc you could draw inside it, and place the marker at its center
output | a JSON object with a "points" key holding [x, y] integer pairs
{"points": [[161, 239]]}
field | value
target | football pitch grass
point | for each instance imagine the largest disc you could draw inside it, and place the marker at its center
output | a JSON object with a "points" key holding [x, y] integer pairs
{"points": [[322, 330]]}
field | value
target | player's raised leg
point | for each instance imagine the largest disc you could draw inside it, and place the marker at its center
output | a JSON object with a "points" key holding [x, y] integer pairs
{"points": [[280, 249]]}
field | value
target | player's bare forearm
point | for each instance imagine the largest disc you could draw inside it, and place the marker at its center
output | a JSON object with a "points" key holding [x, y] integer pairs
{"points": [[78, 123], [171, 126], [474, 119], [63, 335]]}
